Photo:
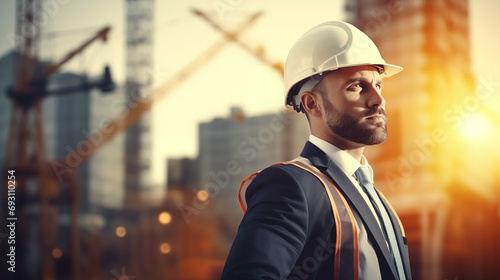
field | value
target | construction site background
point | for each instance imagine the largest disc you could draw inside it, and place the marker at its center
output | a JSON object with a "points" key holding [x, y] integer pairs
{"points": [[82, 196]]}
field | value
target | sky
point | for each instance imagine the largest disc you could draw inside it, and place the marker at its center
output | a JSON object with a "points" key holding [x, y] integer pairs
{"points": [[233, 77]]}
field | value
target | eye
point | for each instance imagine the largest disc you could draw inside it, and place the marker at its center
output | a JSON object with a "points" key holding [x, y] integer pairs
{"points": [[355, 86]]}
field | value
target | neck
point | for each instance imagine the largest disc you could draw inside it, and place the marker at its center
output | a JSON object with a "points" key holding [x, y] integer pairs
{"points": [[354, 149], [356, 153]]}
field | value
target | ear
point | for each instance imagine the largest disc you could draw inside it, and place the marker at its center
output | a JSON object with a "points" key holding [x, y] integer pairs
{"points": [[310, 102]]}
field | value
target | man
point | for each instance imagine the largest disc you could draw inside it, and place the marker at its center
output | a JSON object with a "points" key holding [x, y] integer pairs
{"points": [[319, 217]]}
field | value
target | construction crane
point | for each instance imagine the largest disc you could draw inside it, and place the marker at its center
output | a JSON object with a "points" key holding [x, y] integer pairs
{"points": [[27, 94], [137, 109], [257, 53], [25, 155]]}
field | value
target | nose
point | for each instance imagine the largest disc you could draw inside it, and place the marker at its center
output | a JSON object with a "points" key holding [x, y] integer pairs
{"points": [[376, 99]]}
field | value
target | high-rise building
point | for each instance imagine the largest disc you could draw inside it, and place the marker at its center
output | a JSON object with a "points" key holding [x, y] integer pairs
{"points": [[423, 167], [72, 118], [107, 172], [236, 146], [139, 83], [69, 119]]}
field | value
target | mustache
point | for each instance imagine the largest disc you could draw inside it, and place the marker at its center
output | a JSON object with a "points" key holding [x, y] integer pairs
{"points": [[375, 110]]}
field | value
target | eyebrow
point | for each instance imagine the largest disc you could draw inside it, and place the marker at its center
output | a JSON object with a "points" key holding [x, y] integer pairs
{"points": [[362, 79]]}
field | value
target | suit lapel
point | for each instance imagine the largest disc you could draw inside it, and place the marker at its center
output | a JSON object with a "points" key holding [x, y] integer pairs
{"points": [[319, 159]]}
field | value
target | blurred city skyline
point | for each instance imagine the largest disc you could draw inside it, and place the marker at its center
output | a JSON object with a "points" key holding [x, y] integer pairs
{"points": [[232, 78]]}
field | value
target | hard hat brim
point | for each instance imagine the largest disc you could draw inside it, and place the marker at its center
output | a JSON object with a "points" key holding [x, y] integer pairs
{"points": [[391, 70]]}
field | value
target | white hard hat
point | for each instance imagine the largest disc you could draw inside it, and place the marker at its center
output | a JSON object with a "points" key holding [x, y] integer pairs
{"points": [[326, 47]]}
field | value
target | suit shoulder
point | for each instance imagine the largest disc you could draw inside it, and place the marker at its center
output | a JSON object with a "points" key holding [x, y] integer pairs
{"points": [[286, 177], [285, 171]]}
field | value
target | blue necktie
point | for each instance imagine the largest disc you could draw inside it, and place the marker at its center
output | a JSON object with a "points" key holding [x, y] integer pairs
{"points": [[362, 174]]}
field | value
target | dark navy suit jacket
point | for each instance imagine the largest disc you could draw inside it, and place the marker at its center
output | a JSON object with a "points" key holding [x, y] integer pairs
{"points": [[288, 231]]}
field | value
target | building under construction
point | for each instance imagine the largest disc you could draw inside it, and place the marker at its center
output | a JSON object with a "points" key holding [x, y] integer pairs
{"points": [[448, 206], [139, 83]]}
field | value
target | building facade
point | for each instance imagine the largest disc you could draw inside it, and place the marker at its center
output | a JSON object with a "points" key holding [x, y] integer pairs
{"points": [[234, 147]]}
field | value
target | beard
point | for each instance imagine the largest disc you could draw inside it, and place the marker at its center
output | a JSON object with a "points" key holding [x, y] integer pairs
{"points": [[347, 127]]}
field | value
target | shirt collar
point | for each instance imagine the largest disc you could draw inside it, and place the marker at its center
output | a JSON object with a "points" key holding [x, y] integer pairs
{"points": [[347, 163]]}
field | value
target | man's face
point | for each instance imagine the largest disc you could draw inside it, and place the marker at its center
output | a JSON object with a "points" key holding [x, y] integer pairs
{"points": [[354, 106]]}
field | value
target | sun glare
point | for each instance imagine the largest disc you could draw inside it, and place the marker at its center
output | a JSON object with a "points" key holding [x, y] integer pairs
{"points": [[475, 127]]}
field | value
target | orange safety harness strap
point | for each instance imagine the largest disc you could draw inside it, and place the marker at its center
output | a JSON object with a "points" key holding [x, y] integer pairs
{"points": [[346, 261]]}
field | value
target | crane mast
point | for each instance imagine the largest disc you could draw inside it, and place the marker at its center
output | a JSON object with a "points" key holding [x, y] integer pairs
{"points": [[25, 154]]}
